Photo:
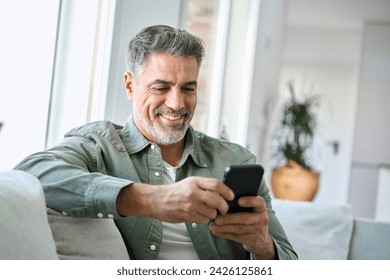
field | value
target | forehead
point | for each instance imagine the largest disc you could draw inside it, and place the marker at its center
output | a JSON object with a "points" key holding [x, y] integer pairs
{"points": [[162, 63]]}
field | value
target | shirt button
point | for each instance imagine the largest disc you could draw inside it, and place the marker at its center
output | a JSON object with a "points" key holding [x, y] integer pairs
{"points": [[153, 247], [100, 215], [152, 147], [157, 174], [110, 216], [194, 225]]}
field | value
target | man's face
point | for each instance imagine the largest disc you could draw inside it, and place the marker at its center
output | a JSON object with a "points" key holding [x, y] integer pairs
{"points": [[164, 97]]}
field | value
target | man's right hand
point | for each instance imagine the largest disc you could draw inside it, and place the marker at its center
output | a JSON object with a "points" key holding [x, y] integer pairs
{"points": [[194, 199]]}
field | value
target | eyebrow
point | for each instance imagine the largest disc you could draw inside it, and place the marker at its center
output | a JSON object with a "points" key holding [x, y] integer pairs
{"points": [[158, 81]]}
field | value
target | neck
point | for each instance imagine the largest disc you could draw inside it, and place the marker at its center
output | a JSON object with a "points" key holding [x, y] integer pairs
{"points": [[173, 153]]}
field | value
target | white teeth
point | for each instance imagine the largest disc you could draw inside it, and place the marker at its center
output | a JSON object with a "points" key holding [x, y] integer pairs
{"points": [[172, 117]]}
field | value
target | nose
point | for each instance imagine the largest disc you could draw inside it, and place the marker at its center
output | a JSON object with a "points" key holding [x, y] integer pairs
{"points": [[175, 99]]}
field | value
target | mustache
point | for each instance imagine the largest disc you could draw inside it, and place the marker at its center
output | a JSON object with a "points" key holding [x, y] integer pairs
{"points": [[167, 110]]}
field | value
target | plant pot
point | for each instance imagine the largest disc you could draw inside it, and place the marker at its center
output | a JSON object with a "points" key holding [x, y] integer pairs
{"points": [[293, 182]]}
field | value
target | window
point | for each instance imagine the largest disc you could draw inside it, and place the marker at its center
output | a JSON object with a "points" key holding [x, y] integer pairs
{"points": [[201, 18], [81, 68], [28, 33], [228, 28]]}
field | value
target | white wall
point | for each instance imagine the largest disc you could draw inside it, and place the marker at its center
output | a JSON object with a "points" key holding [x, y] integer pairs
{"points": [[268, 60], [382, 209], [327, 61], [372, 137]]}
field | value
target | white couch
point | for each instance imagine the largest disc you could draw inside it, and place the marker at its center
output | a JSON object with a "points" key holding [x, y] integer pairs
{"points": [[31, 231]]}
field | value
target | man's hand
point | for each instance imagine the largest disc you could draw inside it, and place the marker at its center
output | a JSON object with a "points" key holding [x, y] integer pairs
{"points": [[193, 199], [248, 228]]}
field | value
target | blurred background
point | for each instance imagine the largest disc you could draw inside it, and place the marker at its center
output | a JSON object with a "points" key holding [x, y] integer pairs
{"points": [[62, 65]]}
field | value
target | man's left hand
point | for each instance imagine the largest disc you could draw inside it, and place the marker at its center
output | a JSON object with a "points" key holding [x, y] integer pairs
{"points": [[248, 228]]}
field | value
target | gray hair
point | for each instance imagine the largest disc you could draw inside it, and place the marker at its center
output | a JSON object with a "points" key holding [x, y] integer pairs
{"points": [[161, 39]]}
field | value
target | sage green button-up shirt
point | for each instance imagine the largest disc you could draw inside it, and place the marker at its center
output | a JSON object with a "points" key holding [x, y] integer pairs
{"points": [[82, 177]]}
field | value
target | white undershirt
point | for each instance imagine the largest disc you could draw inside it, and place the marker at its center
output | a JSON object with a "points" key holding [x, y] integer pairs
{"points": [[176, 243]]}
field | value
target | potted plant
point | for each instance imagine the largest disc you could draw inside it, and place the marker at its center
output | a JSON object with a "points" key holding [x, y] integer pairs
{"points": [[294, 178]]}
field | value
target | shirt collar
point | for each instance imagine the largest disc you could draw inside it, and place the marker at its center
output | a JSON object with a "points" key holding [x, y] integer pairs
{"points": [[193, 148], [133, 139]]}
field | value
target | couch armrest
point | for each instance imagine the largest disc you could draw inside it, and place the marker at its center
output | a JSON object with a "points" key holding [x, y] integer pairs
{"points": [[24, 229]]}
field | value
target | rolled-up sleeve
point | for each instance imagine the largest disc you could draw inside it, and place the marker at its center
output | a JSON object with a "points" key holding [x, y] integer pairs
{"points": [[74, 179]]}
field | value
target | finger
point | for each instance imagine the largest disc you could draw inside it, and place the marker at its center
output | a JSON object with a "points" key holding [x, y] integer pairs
{"points": [[186, 216], [215, 201], [210, 212], [205, 204], [241, 218], [237, 229], [202, 215], [198, 218], [256, 202], [214, 193], [239, 238], [216, 186]]}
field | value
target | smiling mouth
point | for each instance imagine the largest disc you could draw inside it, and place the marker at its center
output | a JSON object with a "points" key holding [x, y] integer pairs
{"points": [[172, 117]]}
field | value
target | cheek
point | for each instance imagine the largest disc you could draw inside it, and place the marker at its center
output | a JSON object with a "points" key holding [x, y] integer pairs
{"points": [[191, 102], [148, 105]]}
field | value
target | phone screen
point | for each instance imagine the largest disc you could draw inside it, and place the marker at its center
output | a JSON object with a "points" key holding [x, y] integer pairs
{"points": [[244, 180]]}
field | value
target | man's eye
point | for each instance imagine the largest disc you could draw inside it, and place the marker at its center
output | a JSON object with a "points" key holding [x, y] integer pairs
{"points": [[160, 89], [189, 90]]}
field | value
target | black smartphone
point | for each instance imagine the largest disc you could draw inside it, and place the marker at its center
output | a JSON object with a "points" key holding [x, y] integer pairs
{"points": [[244, 180]]}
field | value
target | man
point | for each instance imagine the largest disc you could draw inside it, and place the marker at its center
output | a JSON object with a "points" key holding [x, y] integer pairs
{"points": [[157, 177]]}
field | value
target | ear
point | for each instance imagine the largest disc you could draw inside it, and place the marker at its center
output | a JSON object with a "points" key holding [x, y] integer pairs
{"points": [[129, 85]]}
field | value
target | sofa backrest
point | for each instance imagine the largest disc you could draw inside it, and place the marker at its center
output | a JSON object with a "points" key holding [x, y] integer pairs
{"points": [[370, 240]]}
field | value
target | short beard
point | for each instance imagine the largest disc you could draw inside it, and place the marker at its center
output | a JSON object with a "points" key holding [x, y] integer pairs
{"points": [[166, 135]]}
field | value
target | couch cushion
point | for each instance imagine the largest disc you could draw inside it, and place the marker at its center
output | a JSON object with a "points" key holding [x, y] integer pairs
{"points": [[370, 240], [317, 231], [86, 238]]}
